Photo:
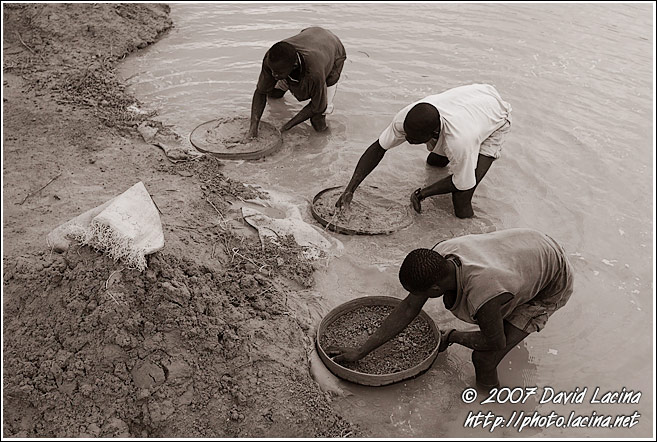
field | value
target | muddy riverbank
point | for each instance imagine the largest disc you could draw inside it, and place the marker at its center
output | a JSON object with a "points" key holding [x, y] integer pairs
{"points": [[210, 340]]}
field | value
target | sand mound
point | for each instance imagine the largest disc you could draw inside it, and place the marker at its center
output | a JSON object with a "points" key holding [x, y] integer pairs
{"points": [[182, 350], [202, 344]]}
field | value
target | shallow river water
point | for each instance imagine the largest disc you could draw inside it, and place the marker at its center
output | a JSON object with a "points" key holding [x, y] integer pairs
{"points": [[577, 165]]}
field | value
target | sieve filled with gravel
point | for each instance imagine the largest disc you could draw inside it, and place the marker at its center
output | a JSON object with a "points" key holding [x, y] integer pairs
{"points": [[409, 353]]}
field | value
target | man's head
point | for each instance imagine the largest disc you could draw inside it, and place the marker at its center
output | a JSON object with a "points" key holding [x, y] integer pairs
{"points": [[282, 59], [423, 271], [422, 123]]}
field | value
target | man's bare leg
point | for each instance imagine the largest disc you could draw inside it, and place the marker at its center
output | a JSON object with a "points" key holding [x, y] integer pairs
{"points": [[462, 199], [437, 160], [486, 362], [319, 122], [276, 93]]}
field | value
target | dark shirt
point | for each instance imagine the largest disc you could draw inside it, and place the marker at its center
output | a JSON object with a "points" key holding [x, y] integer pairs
{"points": [[322, 58]]}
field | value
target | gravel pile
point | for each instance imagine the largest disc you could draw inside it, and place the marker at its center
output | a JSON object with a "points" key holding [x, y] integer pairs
{"points": [[406, 350]]}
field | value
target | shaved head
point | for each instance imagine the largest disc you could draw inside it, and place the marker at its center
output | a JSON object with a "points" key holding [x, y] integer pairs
{"points": [[421, 269], [421, 122], [282, 56]]}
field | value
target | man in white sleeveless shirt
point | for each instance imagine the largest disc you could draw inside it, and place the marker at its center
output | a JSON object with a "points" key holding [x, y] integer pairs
{"points": [[507, 282], [463, 128]]}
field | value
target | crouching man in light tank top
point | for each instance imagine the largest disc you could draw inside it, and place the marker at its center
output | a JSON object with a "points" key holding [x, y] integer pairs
{"points": [[507, 282]]}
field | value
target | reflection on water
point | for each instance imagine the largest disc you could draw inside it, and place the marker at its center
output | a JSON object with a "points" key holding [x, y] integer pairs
{"points": [[576, 166]]}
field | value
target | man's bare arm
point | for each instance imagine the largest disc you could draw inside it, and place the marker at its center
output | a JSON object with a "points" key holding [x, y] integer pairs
{"points": [[257, 108], [367, 163], [394, 323], [304, 114]]}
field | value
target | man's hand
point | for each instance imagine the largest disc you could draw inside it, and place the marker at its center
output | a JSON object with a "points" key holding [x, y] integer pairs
{"points": [[285, 127], [250, 136], [343, 354], [444, 340], [345, 200]]}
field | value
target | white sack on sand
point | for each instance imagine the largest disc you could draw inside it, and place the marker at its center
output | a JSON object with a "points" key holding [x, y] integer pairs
{"points": [[126, 228]]}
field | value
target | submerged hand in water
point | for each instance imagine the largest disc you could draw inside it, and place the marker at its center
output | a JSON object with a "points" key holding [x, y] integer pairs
{"points": [[345, 200], [235, 141], [248, 138]]}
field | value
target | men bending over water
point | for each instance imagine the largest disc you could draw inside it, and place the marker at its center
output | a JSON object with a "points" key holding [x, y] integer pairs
{"points": [[464, 127], [309, 65], [507, 282]]}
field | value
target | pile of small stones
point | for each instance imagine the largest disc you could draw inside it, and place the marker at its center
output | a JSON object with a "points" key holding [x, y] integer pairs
{"points": [[406, 350]]}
